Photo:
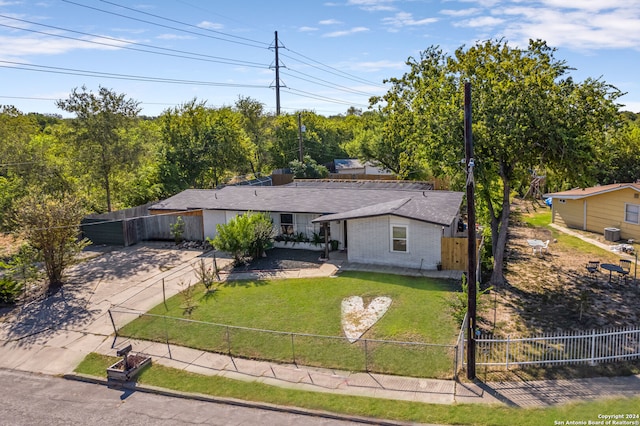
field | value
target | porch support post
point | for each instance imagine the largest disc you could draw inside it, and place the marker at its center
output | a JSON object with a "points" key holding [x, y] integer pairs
{"points": [[326, 239]]}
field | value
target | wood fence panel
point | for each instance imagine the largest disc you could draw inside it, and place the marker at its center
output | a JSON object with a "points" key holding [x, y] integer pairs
{"points": [[159, 227], [454, 253]]}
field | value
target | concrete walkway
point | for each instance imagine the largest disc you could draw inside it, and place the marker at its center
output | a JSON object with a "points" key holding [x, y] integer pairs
{"points": [[53, 335]]}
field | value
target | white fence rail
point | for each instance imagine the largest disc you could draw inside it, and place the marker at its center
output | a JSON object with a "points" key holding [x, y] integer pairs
{"points": [[578, 347]]}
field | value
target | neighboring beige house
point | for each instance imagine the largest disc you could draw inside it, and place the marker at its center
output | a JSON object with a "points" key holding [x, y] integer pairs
{"points": [[612, 207]]}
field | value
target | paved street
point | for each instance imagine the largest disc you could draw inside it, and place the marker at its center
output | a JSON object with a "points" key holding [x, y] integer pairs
{"points": [[34, 399]]}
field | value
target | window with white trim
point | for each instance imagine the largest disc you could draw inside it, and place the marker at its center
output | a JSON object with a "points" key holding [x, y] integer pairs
{"points": [[286, 224], [399, 238], [632, 213]]}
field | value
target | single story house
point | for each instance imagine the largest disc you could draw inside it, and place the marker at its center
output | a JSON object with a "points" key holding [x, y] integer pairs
{"points": [[385, 223], [601, 209]]}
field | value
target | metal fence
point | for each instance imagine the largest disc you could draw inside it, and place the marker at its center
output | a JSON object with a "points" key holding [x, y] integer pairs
{"points": [[562, 348], [380, 356]]}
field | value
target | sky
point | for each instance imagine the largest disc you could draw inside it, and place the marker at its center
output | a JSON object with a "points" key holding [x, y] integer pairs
{"points": [[332, 54]]}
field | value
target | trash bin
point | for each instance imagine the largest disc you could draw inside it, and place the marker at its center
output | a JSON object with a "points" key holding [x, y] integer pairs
{"points": [[611, 234]]}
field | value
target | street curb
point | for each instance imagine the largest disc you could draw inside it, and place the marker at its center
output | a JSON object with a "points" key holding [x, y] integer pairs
{"points": [[133, 386]]}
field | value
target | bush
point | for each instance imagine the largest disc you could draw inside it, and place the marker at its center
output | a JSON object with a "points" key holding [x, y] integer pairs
{"points": [[247, 235], [10, 290]]}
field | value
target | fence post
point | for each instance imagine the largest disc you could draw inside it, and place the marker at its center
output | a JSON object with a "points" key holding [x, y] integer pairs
{"points": [[166, 334], [366, 357], [455, 361], [293, 350], [164, 295], [115, 330], [592, 361], [507, 353], [228, 342]]}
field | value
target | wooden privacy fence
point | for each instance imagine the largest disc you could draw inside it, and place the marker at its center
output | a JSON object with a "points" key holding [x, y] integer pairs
{"points": [[126, 232], [454, 253], [562, 348]]}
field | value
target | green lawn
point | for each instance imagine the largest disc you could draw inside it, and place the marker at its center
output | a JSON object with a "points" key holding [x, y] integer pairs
{"points": [[466, 414], [418, 313]]}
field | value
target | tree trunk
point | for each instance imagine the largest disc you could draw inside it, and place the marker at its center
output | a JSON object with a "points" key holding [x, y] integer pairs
{"points": [[499, 231]]}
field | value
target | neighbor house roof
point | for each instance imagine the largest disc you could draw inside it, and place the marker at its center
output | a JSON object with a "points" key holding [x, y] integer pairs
{"points": [[578, 193], [439, 207]]}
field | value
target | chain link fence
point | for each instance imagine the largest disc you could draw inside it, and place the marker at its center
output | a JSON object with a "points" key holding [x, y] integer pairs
{"points": [[379, 356]]}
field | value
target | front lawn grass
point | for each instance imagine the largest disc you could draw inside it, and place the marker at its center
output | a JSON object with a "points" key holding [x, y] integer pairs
{"points": [[303, 310], [415, 412]]}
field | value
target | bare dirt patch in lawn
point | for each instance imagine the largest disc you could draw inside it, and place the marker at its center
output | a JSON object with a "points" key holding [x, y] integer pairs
{"points": [[554, 292]]}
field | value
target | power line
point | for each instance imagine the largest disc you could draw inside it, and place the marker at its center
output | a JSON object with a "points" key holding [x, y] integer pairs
{"points": [[161, 25], [304, 94], [185, 23], [328, 83], [330, 69], [87, 73], [202, 57]]}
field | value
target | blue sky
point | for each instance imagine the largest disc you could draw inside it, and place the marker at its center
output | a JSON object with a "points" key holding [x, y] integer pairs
{"points": [[334, 54]]}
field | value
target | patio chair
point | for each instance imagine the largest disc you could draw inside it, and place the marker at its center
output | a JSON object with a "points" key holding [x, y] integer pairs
{"points": [[544, 247], [625, 264], [593, 267]]}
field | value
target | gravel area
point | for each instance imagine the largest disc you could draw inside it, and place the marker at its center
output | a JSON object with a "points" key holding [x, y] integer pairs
{"points": [[280, 259]]}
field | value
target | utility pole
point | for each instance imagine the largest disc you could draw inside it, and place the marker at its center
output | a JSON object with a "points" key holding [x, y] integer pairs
{"points": [[471, 235], [277, 76], [300, 146]]}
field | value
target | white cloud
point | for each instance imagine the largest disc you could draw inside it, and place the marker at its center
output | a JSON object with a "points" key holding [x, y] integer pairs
{"points": [[354, 30], [404, 19], [210, 25], [24, 46], [461, 12], [307, 29], [480, 22], [375, 66], [174, 37], [373, 5], [329, 22], [577, 26]]}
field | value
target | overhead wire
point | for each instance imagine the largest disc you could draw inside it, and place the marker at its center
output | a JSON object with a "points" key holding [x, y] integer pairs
{"points": [[330, 69], [191, 55], [88, 73], [328, 83], [165, 26], [199, 56], [185, 23], [327, 68]]}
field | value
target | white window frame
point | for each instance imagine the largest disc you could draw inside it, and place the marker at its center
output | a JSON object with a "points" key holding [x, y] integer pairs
{"points": [[292, 224], [392, 238], [636, 213]]}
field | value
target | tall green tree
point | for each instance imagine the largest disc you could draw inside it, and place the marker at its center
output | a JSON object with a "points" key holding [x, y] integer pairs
{"points": [[201, 146], [99, 131], [256, 124], [526, 114]]}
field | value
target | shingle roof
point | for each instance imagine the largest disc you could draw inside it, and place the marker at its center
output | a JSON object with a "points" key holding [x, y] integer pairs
{"points": [[439, 207], [363, 184], [578, 193]]}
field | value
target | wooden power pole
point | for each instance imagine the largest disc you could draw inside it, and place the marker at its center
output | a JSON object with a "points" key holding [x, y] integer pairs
{"points": [[471, 235]]}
